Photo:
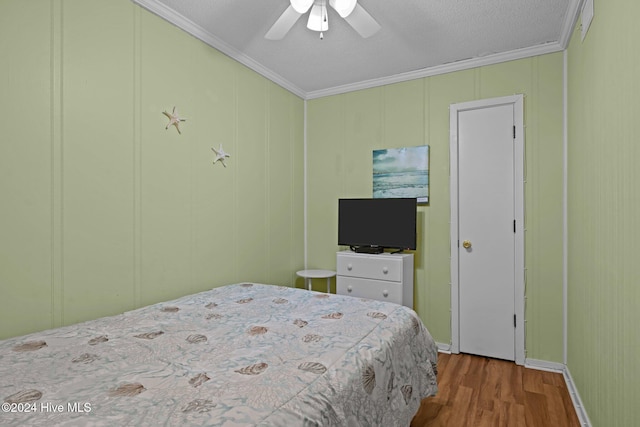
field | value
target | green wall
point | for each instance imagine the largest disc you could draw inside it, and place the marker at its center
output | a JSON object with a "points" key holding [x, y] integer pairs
{"points": [[103, 210], [342, 131], [603, 214]]}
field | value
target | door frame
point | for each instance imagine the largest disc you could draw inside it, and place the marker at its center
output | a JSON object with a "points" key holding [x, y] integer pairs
{"points": [[519, 280]]}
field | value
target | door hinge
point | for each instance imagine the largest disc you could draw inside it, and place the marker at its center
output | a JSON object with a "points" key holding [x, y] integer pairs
{"points": [[514, 320], [514, 225], [514, 132]]}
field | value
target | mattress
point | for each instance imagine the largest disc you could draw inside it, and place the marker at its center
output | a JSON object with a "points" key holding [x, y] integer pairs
{"points": [[239, 355]]}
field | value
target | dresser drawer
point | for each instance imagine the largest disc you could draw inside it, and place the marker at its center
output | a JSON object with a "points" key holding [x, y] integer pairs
{"points": [[364, 288], [371, 267]]}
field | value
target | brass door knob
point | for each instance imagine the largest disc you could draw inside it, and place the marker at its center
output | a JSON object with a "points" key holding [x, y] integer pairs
{"points": [[466, 244]]}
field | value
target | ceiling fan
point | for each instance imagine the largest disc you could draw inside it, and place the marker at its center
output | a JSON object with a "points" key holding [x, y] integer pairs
{"points": [[350, 10]]}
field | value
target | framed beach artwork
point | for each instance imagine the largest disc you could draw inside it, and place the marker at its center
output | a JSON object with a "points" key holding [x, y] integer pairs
{"points": [[401, 172]]}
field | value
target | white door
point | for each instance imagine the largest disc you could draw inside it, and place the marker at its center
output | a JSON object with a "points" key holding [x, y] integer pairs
{"points": [[486, 229]]}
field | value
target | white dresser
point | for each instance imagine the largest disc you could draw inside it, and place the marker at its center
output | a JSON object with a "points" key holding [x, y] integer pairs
{"points": [[384, 277]]}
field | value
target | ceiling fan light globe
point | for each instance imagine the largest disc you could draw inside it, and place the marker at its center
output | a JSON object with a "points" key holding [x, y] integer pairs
{"points": [[317, 18], [301, 6], [343, 7]]}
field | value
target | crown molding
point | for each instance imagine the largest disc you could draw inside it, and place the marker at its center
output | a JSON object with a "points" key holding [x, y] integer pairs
{"points": [[441, 69], [570, 19], [200, 33]]}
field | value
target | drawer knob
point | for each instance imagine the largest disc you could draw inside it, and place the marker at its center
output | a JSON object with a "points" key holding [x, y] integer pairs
{"points": [[385, 293], [349, 266], [385, 270], [349, 288]]}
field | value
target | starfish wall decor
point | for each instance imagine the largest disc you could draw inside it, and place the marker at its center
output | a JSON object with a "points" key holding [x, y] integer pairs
{"points": [[220, 155], [174, 120]]}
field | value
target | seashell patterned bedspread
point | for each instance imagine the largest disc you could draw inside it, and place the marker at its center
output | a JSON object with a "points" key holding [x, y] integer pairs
{"points": [[240, 355]]}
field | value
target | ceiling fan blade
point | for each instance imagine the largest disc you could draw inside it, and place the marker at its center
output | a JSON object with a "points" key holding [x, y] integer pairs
{"points": [[362, 22], [343, 7], [282, 26]]}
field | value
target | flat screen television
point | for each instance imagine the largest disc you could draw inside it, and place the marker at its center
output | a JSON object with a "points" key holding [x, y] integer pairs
{"points": [[371, 225]]}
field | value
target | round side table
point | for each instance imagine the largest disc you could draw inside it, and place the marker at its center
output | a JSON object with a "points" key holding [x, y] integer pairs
{"points": [[317, 274]]}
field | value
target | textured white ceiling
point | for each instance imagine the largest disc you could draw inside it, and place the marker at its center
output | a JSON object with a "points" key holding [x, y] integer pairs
{"points": [[418, 37]]}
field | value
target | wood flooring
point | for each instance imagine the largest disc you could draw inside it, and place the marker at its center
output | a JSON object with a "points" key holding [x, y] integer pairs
{"points": [[478, 391]]}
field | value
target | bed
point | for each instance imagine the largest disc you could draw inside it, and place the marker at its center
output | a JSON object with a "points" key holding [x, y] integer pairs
{"points": [[238, 355]]}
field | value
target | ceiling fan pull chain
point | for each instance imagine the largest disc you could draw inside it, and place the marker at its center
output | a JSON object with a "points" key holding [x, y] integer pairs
{"points": [[324, 17]]}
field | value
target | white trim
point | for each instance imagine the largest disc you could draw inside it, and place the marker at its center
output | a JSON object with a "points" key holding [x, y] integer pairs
{"points": [[544, 365], [306, 237], [565, 210], [570, 19], [581, 412], [578, 406], [443, 348], [518, 106], [453, 228], [583, 417], [586, 17], [200, 33], [441, 69], [518, 157]]}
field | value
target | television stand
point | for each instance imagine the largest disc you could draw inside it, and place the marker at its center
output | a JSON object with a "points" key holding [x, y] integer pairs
{"points": [[383, 277], [367, 249]]}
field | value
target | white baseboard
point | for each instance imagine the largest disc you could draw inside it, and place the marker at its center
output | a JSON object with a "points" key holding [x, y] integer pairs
{"points": [[443, 348], [583, 418], [544, 365]]}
